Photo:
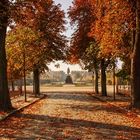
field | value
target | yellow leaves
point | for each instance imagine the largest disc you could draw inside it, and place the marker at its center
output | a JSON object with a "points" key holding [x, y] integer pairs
{"points": [[21, 40]]}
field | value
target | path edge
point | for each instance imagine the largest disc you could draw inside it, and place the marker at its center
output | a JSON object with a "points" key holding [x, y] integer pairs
{"points": [[123, 109], [21, 108]]}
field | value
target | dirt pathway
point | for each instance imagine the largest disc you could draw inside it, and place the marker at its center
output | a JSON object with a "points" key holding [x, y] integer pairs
{"points": [[70, 116]]}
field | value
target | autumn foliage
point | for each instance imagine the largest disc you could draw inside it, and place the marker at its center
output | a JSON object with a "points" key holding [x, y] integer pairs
{"points": [[37, 32], [104, 30], [114, 26], [34, 39]]}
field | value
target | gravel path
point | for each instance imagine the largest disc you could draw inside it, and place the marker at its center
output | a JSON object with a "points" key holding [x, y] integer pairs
{"points": [[71, 116]]}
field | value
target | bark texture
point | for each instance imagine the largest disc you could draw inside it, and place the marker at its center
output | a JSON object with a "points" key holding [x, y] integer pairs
{"points": [[5, 102], [36, 80], [96, 81], [136, 62], [103, 78]]}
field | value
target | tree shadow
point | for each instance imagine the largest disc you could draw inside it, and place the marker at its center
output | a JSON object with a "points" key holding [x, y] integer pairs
{"points": [[70, 96], [84, 98], [77, 123], [94, 107], [49, 127]]}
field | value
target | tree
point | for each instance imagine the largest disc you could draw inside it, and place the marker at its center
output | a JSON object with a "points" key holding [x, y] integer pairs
{"points": [[136, 60], [114, 18], [81, 17], [91, 62], [5, 102], [83, 48], [21, 42]]}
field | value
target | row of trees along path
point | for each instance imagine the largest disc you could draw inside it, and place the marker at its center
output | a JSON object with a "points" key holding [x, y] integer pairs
{"points": [[33, 40], [105, 31]]}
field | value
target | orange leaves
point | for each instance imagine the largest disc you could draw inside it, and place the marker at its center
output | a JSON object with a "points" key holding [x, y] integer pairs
{"points": [[81, 16], [73, 59], [21, 40], [113, 19]]}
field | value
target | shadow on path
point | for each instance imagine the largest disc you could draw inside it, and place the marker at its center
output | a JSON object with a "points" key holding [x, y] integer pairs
{"points": [[53, 127], [70, 96], [49, 127], [79, 123], [82, 97]]}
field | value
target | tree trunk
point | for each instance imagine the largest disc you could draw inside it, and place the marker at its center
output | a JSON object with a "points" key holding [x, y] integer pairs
{"points": [[131, 78], [136, 62], [96, 81], [24, 75], [117, 86], [13, 86], [20, 86], [114, 82], [36, 81], [5, 102], [103, 78]]}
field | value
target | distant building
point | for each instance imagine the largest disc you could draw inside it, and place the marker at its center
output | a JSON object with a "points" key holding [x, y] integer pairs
{"points": [[56, 76], [81, 76]]}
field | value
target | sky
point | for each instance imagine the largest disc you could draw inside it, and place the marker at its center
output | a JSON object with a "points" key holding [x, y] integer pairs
{"points": [[64, 6], [63, 66]]}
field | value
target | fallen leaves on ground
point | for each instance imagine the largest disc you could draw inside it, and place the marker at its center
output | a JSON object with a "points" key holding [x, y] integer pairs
{"points": [[73, 116]]}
